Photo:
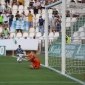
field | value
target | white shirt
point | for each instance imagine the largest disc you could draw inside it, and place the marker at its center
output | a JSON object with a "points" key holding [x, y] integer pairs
{"points": [[5, 18], [23, 17], [42, 3], [36, 4]]}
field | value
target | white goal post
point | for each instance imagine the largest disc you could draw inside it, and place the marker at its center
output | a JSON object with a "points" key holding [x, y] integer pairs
{"points": [[63, 33]]}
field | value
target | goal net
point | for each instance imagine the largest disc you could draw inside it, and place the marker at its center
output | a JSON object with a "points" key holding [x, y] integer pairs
{"points": [[74, 37]]}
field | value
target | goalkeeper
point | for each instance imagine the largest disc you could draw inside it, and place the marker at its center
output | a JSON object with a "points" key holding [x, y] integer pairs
{"points": [[35, 61], [20, 53]]}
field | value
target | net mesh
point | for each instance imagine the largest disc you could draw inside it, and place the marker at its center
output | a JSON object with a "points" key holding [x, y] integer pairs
{"points": [[75, 40]]}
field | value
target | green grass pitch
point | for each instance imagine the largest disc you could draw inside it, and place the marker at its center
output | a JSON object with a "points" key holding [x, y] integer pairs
{"points": [[14, 73]]}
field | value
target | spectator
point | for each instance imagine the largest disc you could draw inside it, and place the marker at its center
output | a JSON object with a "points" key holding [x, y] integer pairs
{"points": [[31, 4], [53, 23], [42, 2], [1, 19], [36, 7], [14, 2], [7, 1], [17, 15], [1, 36], [11, 16], [30, 19], [72, 1], [23, 16], [1, 9], [55, 1], [68, 39], [7, 9], [8, 36], [5, 31], [41, 25], [55, 12], [67, 13], [58, 22], [20, 2], [5, 17]]}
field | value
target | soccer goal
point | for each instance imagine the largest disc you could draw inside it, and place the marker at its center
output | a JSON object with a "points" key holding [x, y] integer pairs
{"points": [[67, 53]]}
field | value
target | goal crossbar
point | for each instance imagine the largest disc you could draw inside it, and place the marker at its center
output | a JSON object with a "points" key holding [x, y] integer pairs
{"points": [[53, 4]]}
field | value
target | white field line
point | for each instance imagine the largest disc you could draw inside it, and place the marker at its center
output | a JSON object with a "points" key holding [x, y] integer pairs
{"points": [[44, 82]]}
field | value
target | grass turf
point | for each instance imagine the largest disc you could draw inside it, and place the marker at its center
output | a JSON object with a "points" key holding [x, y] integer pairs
{"points": [[14, 73]]}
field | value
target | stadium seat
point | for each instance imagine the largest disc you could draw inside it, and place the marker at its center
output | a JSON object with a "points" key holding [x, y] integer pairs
{"points": [[38, 35], [73, 20], [1, 29], [37, 29], [32, 30], [31, 35], [76, 40], [20, 7], [68, 20], [43, 16], [26, 11], [14, 7], [82, 34], [68, 24], [12, 34], [43, 11], [21, 38], [25, 7], [37, 16], [18, 35], [81, 29], [56, 34], [50, 11], [76, 34], [25, 34], [51, 34]]}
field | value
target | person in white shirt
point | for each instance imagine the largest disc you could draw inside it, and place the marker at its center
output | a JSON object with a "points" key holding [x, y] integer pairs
{"points": [[5, 17], [42, 3], [23, 16], [36, 6]]}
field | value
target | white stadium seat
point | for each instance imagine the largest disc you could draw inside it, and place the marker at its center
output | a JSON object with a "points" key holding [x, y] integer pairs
{"points": [[1, 29], [32, 30], [31, 35], [81, 29], [76, 34], [38, 35], [25, 34], [82, 34], [18, 35]]}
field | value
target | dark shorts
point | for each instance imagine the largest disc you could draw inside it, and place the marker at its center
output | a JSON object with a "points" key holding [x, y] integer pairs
{"points": [[0, 12], [0, 23], [35, 11], [58, 28], [7, 1]]}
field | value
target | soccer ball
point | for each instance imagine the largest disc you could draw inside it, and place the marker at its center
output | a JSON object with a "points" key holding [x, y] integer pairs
{"points": [[19, 60], [24, 53]]}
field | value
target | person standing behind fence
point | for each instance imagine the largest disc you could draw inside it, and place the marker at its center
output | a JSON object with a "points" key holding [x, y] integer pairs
{"points": [[41, 25]]}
